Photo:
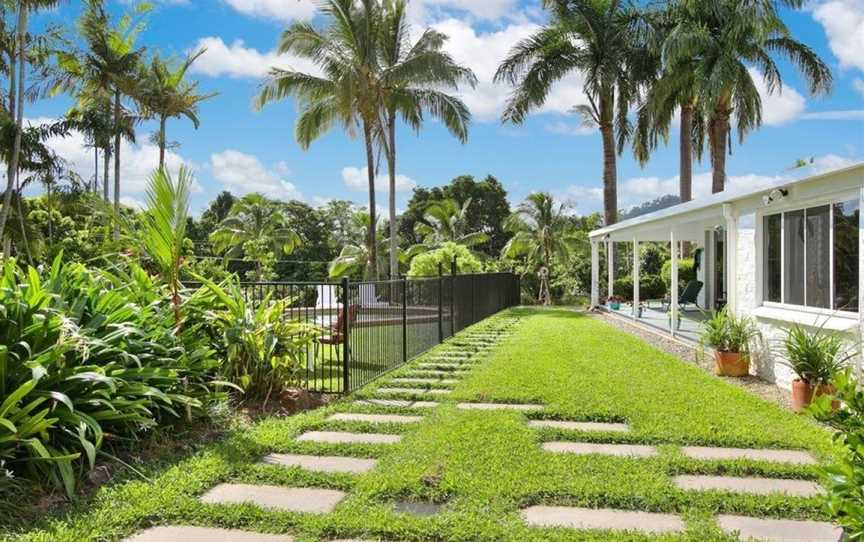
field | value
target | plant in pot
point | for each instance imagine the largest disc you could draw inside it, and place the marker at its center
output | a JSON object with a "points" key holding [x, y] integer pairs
{"points": [[730, 337], [815, 356], [614, 302]]}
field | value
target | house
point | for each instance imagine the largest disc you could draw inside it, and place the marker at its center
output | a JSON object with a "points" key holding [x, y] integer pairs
{"points": [[792, 253]]}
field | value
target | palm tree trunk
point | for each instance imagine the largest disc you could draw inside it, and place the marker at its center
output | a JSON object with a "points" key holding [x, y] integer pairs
{"points": [[106, 165], [162, 142], [610, 170], [96, 169], [686, 156], [391, 163], [370, 168], [19, 118], [720, 131], [116, 164]]}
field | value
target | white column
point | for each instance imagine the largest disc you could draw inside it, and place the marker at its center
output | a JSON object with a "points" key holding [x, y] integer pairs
{"points": [[731, 266], [635, 278], [595, 275], [858, 366], [673, 286], [610, 265]]}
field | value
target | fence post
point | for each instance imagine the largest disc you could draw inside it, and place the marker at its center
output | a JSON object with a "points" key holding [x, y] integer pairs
{"points": [[440, 302], [404, 319], [346, 333], [453, 271]]}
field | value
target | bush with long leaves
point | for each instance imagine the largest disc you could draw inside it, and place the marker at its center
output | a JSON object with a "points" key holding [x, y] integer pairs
{"points": [[88, 357]]}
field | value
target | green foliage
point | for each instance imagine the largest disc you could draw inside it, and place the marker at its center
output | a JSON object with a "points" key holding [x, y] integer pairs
{"points": [[686, 271], [652, 258], [261, 348], [650, 287], [87, 357], [426, 265], [815, 356], [726, 332], [623, 288], [845, 478]]}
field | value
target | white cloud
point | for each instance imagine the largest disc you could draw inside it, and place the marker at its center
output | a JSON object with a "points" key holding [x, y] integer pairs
{"points": [[858, 85], [357, 179], [135, 203], [782, 106], [137, 161], [281, 10], [571, 129], [238, 61], [851, 114], [243, 173], [843, 21]]}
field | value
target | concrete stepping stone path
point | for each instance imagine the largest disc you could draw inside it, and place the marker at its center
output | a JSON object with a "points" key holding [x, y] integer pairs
{"points": [[591, 448], [321, 463], [411, 380], [752, 486], [396, 403], [780, 530], [289, 499], [373, 418], [777, 456], [204, 534], [580, 426], [414, 391], [606, 519], [340, 437], [432, 373], [498, 406]]}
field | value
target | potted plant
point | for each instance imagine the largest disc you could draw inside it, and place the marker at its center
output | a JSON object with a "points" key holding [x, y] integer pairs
{"points": [[729, 336], [614, 302], [815, 357]]}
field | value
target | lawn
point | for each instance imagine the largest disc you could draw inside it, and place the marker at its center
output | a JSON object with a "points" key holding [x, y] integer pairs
{"points": [[486, 465]]}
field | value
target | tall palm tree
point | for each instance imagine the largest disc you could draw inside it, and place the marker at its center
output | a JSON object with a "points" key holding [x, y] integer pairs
{"points": [[726, 38], [445, 221], [346, 89], [596, 38], [165, 93], [540, 234], [414, 79], [256, 230]]}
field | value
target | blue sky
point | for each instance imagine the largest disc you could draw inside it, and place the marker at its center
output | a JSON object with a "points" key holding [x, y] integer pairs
{"points": [[240, 150]]}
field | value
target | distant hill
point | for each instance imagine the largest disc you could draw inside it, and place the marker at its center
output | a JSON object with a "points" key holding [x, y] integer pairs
{"points": [[650, 206]]}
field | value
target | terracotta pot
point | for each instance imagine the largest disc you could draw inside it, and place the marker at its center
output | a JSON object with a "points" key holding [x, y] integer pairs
{"points": [[803, 394], [731, 364]]}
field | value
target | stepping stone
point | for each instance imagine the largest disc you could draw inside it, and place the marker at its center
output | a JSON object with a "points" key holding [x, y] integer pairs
{"points": [[607, 519], [396, 403], [780, 530], [581, 426], [339, 437], [777, 456], [443, 366], [419, 509], [498, 406], [590, 448], [320, 463], [439, 374], [425, 381], [373, 418], [204, 534], [289, 499], [414, 391], [753, 486]]}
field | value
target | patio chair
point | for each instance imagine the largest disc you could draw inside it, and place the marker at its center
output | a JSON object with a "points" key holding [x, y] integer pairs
{"points": [[690, 296], [338, 330]]}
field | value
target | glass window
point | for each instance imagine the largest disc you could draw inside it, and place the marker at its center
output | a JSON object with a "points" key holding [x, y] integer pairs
{"points": [[772, 252], [818, 260], [846, 248], [793, 257]]}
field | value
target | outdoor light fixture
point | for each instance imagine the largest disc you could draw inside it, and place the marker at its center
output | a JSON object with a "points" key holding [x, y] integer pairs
{"points": [[775, 195]]}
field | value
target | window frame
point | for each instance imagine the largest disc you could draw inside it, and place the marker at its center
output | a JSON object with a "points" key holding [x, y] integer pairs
{"points": [[802, 205]]}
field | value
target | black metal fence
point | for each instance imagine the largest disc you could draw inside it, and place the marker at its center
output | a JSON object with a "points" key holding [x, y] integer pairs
{"points": [[384, 323]]}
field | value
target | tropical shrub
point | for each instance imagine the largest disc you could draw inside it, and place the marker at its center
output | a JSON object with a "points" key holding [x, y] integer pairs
{"points": [[815, 356], [262, 351], [650, 287], [725, 332], [426, 265], [623, 288], [686, 271], [87, 357], [845, 479]]}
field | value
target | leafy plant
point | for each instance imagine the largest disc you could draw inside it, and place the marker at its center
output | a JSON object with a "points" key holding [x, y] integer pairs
{"points": [[426, 265], [815, 356], [845, 479], [726, 332]]}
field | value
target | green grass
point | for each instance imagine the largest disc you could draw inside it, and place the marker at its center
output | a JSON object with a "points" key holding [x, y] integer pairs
{"points": [[487, 465]]}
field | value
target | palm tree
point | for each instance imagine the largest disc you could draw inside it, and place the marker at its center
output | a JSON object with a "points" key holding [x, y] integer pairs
{"points": [[348, 89], [539, 229], [727, 39], [255, 230], [414, 78], [165, 93], [596, 38], [445, 221], [164, 228], [95, 121], [354, 257]]}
